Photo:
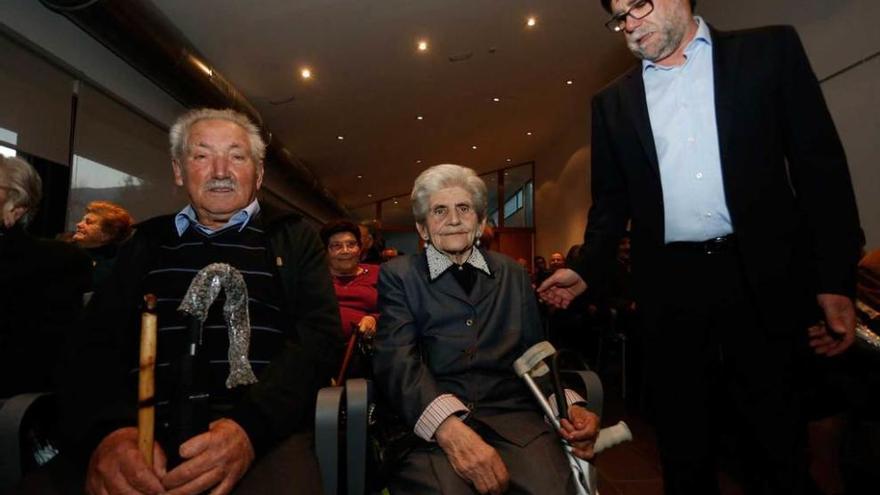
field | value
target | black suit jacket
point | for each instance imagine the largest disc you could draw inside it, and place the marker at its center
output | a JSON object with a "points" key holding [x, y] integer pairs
{"points": [[434, 339], [785, 176]]}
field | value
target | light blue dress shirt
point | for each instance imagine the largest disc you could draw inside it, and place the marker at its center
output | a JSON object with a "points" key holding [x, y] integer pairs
{"points": [[681, 106], [241, 218]]}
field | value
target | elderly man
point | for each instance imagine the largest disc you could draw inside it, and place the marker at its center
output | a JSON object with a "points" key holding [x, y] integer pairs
{"points": [[719, 148], [252, 438], [452, 321], [41, 287]]}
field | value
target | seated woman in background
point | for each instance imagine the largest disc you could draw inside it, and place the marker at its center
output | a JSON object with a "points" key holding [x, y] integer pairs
{"points": [[453, 320], [100, 232], [41, 287], [355, 286]]}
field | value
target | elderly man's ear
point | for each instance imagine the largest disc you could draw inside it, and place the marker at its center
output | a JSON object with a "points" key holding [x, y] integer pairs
{"points": [[178, 172], [12, 216]]}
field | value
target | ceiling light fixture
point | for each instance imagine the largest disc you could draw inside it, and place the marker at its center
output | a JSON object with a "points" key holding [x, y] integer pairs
{"points": [[370, 195], [496, 99], [531, 21], [509, 160], [569, 82], [306, 73], [420, 117], [474, 147], [340, 137], [360, 176], [529, 133], [418, 161], [422, 45]]}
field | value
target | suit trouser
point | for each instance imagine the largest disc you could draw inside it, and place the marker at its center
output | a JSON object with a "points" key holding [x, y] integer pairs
{"points": [[538, 468], [714, 366], [291, 467]]}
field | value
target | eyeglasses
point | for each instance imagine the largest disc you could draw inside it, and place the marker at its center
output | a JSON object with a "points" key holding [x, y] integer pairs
{"points": [[336, 247], [638, 10]]}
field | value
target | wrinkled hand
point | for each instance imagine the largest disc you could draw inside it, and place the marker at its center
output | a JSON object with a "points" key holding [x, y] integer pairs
{"points": [[367, 326], [580, 431], [472, 459], [117, 466], [840, 316], [215, 459], [561, 288]]}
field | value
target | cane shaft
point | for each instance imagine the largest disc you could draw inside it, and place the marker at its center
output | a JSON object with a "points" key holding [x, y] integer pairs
{"points": [[147, 381], [349, 350]]}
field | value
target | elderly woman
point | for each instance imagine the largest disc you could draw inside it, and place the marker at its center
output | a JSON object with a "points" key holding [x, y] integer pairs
{"points": [[41, 287], [354, 282], [100, 231], [453, 320]]}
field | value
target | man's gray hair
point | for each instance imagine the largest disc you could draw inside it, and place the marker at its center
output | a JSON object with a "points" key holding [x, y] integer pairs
{"points": [[23, 185], [179, 133], [447, 175]]}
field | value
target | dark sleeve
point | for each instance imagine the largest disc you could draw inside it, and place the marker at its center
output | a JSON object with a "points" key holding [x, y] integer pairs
{"points": [[400, 373], [819, 173], [283, 401], [609, 212], [96, 397]]}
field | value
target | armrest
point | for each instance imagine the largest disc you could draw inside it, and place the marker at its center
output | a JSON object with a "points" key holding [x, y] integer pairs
{"points": [[358, 397], [328, 411], [13, 412]]}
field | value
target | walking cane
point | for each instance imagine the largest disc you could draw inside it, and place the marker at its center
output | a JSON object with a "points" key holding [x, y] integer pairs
{"points": [[349, 350], [147, 380]]}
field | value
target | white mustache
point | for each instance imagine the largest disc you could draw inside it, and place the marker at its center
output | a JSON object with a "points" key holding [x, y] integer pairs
{"points": [[220, 184]]}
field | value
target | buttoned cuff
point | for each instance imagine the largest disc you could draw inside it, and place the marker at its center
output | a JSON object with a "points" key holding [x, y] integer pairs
{"points": [[571, 397], [437, 411]]}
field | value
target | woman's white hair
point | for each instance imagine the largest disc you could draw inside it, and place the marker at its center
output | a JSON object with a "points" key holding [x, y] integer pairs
{"points": [[24, 187], [447, 175], [179, 133]]}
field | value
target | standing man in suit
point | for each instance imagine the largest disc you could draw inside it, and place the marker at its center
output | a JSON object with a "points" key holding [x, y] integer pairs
{"points": [[720, 150]]}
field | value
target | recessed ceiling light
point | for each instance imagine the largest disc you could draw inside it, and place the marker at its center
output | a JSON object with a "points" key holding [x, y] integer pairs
{"points": [[360, 176], [422, 45], [395, 201], [496, 99], [420, 117], [569, 82], [306, 73], [474, 147], [370, 195], [529, 133], [418, 161], [340, 137], [531, 21], [509, 160]]}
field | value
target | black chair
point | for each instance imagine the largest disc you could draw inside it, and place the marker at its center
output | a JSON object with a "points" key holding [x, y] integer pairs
{"points": [[342, 416], [24, 422]]}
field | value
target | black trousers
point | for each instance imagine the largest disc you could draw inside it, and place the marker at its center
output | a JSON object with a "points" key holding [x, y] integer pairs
{"points": [[713, 366]]}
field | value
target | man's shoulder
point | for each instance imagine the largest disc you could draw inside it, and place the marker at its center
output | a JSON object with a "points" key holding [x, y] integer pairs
{"points": [[404, 265], [761, 37], [155, 226]]}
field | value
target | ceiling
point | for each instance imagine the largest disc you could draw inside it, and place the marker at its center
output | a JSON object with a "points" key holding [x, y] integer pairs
{"points": [[370, 82]]}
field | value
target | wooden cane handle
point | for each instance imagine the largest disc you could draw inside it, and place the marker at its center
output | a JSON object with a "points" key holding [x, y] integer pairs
{"points": [[147, 380]]}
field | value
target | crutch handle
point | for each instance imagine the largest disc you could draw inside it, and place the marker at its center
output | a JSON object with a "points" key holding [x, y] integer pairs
{"points": [[611, 436]]}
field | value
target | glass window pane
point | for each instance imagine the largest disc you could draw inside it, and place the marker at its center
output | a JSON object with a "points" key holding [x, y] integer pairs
{"points": [[519, 195]]}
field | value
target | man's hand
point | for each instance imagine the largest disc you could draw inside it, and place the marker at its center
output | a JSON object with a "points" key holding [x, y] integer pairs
{"points": [[217, 458], [117, 466], [840, 318], [367, 326], [561, 288], [471, 457], [581, 431]]}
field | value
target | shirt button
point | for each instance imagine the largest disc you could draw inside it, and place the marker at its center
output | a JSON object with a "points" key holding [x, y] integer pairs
{"points": [[469, 323], [699, 175], [709, 215]]}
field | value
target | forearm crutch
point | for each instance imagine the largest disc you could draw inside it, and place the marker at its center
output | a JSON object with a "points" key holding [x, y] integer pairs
{"points": [[147, 380], [531, 364]]}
